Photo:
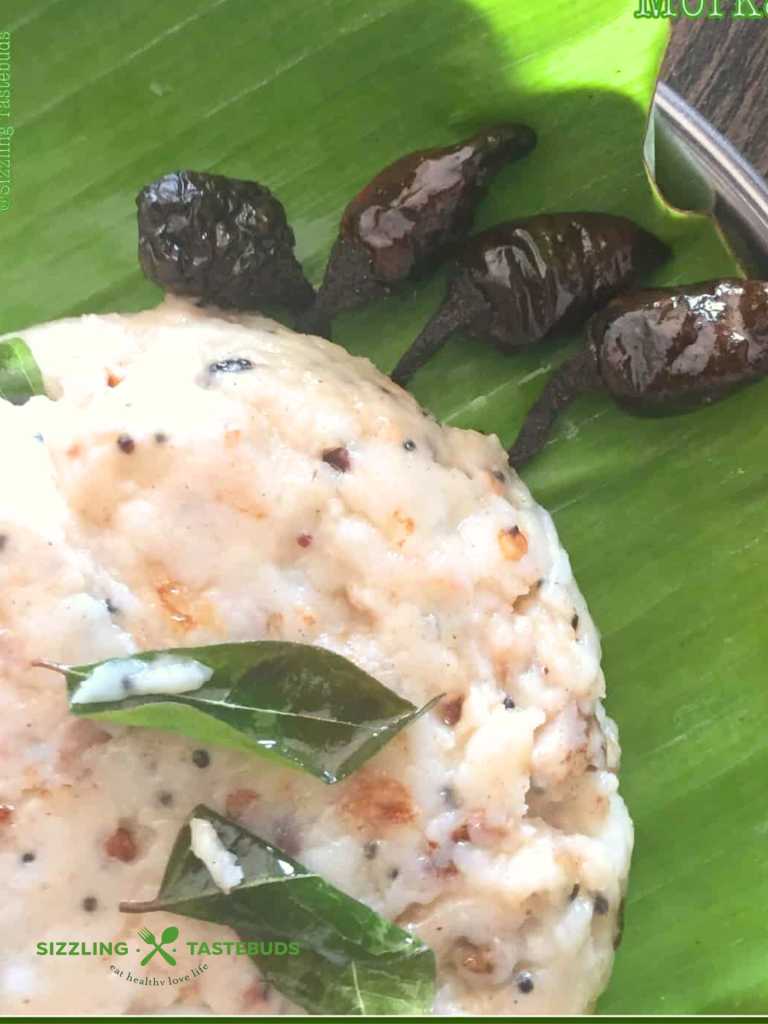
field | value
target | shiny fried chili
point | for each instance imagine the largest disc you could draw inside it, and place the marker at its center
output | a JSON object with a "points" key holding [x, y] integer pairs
{"points": [[410, 218], [661, 352], [516, 282], [220, 240]]}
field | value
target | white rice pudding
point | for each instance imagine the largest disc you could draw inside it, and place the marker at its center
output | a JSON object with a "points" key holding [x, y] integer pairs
{"points": [[160, 502]]}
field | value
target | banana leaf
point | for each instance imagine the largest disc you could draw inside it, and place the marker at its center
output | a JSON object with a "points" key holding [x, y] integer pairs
{"points": [[664, 520]]}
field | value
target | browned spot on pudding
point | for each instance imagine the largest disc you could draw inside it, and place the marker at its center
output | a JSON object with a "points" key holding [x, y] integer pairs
{"points": [[450, 710], [449, 871], [175, 599], [375, 799], [239, 802], [482, 832], [239, 496], [306, 617], [121, 846], [513, 544], [187, 609], [79, 736], [404, 527], [475, 959], [460, 834], [274, 624]]}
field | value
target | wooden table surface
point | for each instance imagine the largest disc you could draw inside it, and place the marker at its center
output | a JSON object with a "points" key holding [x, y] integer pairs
{"points": [[720, 66]]}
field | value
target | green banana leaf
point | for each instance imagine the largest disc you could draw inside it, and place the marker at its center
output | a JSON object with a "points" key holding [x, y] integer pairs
{"points": [[665, 520]]}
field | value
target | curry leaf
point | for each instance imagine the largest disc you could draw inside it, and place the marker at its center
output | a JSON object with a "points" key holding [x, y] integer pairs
{"points": [[351, 960], [20, 376], [300, 705]]}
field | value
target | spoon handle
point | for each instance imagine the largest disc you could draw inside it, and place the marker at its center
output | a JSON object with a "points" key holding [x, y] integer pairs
{"points": [[167, 956]]}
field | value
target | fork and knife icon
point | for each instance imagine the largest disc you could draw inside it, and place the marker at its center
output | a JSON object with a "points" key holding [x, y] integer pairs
{"points": [[169, 935]]}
